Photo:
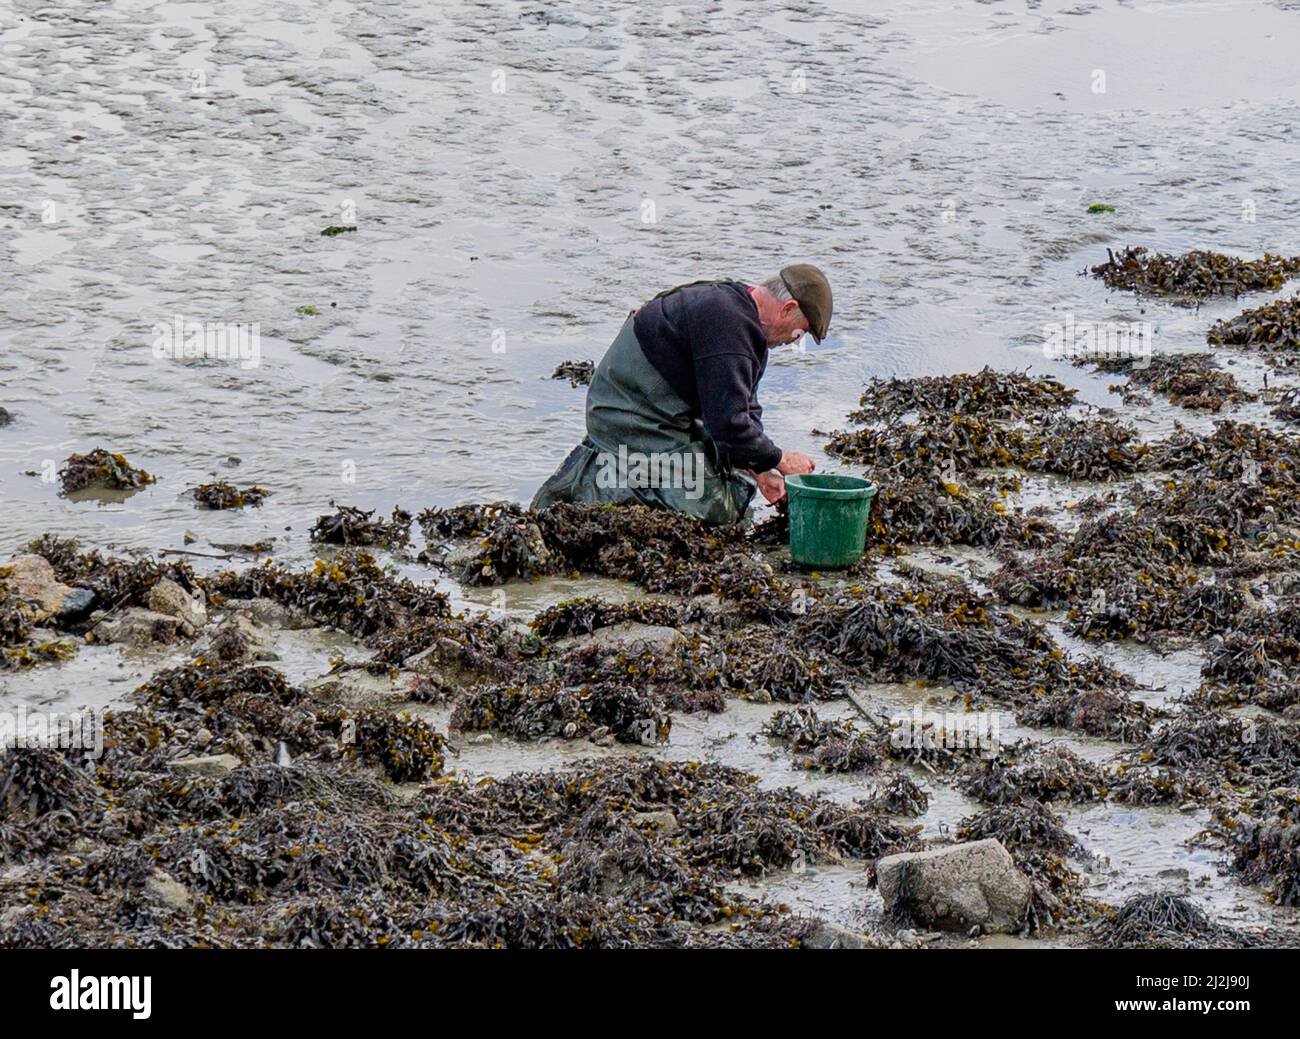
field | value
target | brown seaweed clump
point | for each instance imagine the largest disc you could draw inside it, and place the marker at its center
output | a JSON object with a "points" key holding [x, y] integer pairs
{"points": [[222, 495], [1191, 381], [831, 746], [1194, 275], [1272, 329], [1080, 449], [1288, 406], [1034, 773], [1263, 840], [530, 712], [578, 373], [1221, 752], [1258, 661], [934, 631], [987, 394], [350, 592], [313, 854], [99, 468], [352, 526], [1132, 573], [1164, 921], [585, 614]]}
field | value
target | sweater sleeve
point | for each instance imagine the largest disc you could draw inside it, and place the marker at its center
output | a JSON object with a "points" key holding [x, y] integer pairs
{"points": [[729, 410]]}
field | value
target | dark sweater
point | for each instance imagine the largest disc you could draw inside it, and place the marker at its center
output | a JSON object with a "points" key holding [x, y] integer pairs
{"points": [[707, 343]]}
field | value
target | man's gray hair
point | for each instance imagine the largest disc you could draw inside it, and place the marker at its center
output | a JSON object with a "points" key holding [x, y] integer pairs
{"points": [[776, 286]]}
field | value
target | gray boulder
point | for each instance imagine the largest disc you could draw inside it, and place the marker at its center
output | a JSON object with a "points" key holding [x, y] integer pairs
{"points": [[957, 888]]}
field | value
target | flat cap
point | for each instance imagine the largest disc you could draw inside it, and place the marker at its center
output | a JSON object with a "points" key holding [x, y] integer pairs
{"points": [[812, 292]]}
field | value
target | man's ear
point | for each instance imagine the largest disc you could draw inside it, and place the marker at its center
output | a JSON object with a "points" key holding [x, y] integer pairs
{"points": [[788, 307]]}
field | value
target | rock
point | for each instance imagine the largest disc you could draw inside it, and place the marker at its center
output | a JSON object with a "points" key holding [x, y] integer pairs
{"points": [[168, 892], [258, 640], [76, 604], [833, 936], [216, 765], [271, 614], [41, 596], [664, 821], [169, 598], [5, 417], [957, 888], [631, 635], [137, 627], [190, 537]]}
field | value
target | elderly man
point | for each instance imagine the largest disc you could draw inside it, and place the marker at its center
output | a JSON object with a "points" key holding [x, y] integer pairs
{"points": [[673, 419]]}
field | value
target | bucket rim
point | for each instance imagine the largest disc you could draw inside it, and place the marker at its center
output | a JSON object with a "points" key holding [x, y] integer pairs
{"points": [[796, 485]]}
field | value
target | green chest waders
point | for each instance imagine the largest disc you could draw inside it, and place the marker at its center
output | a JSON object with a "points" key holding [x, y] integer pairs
{"points": [[644, 446]]}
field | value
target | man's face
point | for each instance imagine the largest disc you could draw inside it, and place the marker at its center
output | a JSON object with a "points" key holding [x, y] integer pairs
{"points": [[789, 327]]}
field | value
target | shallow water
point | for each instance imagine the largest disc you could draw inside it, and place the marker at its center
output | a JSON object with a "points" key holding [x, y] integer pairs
{"points": [[937, 162], [181, 159]]}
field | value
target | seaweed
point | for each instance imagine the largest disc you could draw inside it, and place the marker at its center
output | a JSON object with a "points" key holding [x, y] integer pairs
{"points": [[831, 746], [350, 592], [116, 582], [986, 394], [1198, 274], [350, 526], [407, 748], [1165, 921], [529, 712], [585, 614], [222, 495], [99, 468], [1272, 329], [578, 373], [1191, 381], [1052, 773], [1263, 839]]}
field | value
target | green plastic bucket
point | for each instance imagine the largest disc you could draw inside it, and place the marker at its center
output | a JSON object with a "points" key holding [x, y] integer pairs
{"points": [[828, 519]]}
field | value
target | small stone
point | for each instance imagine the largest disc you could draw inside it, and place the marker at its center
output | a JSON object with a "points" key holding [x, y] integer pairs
{"points": [[833, 936], [215, 765], [168, 892], [664, 821], [170, 598]]}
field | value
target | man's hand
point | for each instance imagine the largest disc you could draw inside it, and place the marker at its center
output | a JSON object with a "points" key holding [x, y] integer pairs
{"points": [[794, 464], [772, 484]]}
